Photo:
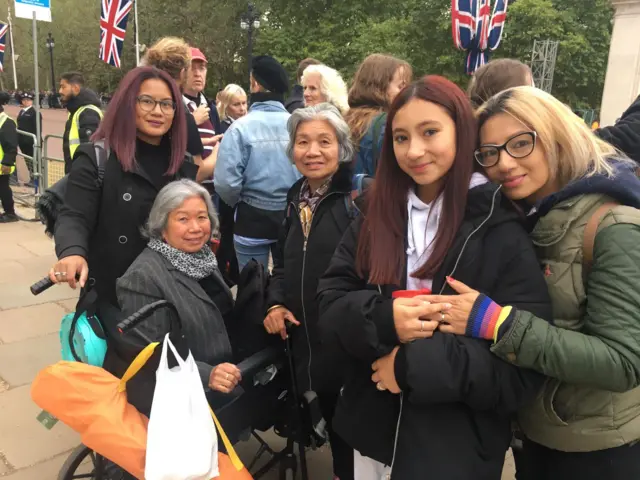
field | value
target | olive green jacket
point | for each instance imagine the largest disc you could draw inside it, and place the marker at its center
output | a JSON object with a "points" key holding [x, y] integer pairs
{"points": [[592, 350]]}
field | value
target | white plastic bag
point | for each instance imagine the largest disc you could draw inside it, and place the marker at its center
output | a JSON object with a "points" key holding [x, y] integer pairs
{"points": [[182, 443]]}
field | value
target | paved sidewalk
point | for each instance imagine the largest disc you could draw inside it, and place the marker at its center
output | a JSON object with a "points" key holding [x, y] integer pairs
{"points": [[29, 341]]}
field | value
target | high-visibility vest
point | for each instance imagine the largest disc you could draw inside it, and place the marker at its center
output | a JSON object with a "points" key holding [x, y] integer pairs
{"points": [[74, 132], [3, 118]]}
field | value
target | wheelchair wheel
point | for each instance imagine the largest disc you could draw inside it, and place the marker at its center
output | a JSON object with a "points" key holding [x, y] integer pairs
{"points": [[83, 463]]}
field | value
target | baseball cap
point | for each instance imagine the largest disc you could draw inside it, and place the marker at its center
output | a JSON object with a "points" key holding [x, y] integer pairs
{"points": [[196, 54]]}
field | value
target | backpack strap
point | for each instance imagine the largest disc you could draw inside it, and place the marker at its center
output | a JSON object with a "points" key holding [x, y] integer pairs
{"points": [[378, 124], [102, 155], [590, 231]]}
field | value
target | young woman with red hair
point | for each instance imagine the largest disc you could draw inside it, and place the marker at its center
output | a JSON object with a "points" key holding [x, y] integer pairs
{"points": [[418, 403], [98, 230]]}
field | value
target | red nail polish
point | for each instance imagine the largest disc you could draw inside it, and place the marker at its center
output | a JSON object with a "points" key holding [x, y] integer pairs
{"points": [[450, 279]]}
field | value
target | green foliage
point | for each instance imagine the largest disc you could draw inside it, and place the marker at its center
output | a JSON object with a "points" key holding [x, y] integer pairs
{"points": [[340, 33]]}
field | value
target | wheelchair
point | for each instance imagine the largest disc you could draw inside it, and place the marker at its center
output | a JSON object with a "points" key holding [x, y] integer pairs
{"points": [[266, 398]]}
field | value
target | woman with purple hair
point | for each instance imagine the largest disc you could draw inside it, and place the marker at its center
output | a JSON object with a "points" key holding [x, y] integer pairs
{"points": [[106, 203]]}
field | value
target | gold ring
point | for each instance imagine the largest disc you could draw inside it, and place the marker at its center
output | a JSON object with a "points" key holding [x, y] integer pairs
{"points": [[442, 318], [422, 325], [226, 377]]}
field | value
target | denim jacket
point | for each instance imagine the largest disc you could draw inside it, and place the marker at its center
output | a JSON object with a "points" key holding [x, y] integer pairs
{"points": [[253, 166], [365, 162]]}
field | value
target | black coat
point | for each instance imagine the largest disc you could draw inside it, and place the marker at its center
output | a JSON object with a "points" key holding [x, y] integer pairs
{"points": [[87, 123], [457, 396], [103, 225], [27, 123], [296, 100], [296, 273], [625, 134], [9, 141]]}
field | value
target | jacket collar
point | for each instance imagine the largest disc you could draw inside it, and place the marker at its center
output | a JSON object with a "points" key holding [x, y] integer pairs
{"points": [[340, 183], [85, 97]]}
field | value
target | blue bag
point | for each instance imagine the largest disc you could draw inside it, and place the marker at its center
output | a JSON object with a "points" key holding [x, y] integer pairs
{"points": [[82, 338]]}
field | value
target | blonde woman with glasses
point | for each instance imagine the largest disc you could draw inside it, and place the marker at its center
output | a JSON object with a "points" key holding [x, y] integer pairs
{"points": [[582, 199]]}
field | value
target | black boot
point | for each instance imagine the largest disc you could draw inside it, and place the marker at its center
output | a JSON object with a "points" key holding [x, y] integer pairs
{"points": [[8, 218]]}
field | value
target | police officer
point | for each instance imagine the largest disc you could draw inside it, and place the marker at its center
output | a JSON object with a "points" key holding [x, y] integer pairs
{"points": [[27, 123], [8, 152]]}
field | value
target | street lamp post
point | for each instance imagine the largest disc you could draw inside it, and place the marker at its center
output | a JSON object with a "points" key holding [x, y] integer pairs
{"points": [[50, 46], [250, 21]]}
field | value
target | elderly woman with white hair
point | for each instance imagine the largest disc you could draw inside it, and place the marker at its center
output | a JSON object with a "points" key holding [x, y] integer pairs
{"points": [[178, 266], [324, 84], [319, 211]]}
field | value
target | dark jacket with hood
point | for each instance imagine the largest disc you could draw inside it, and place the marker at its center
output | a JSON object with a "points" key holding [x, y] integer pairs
{"points": [[298, 268], [625, 134], [88, 122], [591, 350], [295, 100], [452, 421]]}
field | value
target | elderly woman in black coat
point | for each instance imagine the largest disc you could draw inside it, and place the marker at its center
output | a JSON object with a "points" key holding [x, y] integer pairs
{"points": [[319, 211]]}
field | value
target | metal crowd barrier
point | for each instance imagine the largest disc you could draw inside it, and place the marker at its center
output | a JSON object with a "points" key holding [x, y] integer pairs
{"points": [[26, 188], [53, 168]]}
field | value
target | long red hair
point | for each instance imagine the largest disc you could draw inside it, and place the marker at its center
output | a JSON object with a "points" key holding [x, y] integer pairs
{"points": [[381, 247]]}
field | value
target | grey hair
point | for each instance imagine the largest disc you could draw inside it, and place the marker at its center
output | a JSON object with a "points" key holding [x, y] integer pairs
{"points": [[171, 197], [329, 113]]}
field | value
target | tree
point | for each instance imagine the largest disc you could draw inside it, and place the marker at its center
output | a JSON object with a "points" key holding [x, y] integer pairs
{"points": [[339, 33]]}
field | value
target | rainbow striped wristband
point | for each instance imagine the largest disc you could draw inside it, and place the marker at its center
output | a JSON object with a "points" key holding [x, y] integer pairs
{"points": [[485, 318]]}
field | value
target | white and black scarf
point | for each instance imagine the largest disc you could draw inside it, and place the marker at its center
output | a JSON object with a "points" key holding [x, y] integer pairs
{"points": [[197, 265]]}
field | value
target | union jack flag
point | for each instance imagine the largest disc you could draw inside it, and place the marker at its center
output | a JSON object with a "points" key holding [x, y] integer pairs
{"points": [[4, 28], [498, 20], [463, 22], [476, 29], [113, 27]]}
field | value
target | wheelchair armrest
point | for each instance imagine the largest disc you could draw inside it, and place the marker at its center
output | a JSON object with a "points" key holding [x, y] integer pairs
{"points": [[256, 362]]}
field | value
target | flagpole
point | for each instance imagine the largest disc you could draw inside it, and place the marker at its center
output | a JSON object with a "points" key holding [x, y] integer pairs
{"points": [[13, 53], [135, 18]]}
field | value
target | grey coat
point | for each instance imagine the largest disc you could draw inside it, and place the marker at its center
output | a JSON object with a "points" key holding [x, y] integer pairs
{"points": [[150, 278]]}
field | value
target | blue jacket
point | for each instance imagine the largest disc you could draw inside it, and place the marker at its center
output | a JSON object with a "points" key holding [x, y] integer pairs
{"points": [[366, 158], [253, 166]]}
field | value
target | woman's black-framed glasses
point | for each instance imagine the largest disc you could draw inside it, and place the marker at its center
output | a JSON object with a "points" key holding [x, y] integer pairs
{"points": [[148, 104], [518, 146]]}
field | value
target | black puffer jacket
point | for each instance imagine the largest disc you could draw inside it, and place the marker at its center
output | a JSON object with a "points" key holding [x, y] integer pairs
{"points": [[297, 270], [457, 396]]}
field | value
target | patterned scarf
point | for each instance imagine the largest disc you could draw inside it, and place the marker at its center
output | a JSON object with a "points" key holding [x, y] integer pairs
{"points": [[308, 203], [197, 265]]}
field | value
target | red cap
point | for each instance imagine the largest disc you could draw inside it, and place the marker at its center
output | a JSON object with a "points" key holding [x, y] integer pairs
{"points": [[196, 54]]}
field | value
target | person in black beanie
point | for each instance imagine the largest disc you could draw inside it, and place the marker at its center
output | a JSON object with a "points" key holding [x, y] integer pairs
{"points": [[253, 172], [8, 152]]}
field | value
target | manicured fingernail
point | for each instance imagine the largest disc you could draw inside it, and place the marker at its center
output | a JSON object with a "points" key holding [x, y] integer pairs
{"points": [[447, 306], [426, 303], [450, 279]]}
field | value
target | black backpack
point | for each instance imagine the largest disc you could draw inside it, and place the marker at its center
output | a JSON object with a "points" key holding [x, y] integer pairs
{"points": [[50, 202]]}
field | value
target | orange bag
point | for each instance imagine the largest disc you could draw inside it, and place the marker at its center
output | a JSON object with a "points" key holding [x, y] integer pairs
{"points": [[93, 402]]}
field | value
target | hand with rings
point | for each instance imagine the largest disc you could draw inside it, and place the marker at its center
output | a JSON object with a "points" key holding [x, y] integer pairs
{"points": [[72, 270], [411, 317], [454, 319], [384, 375], [224, 377]]}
